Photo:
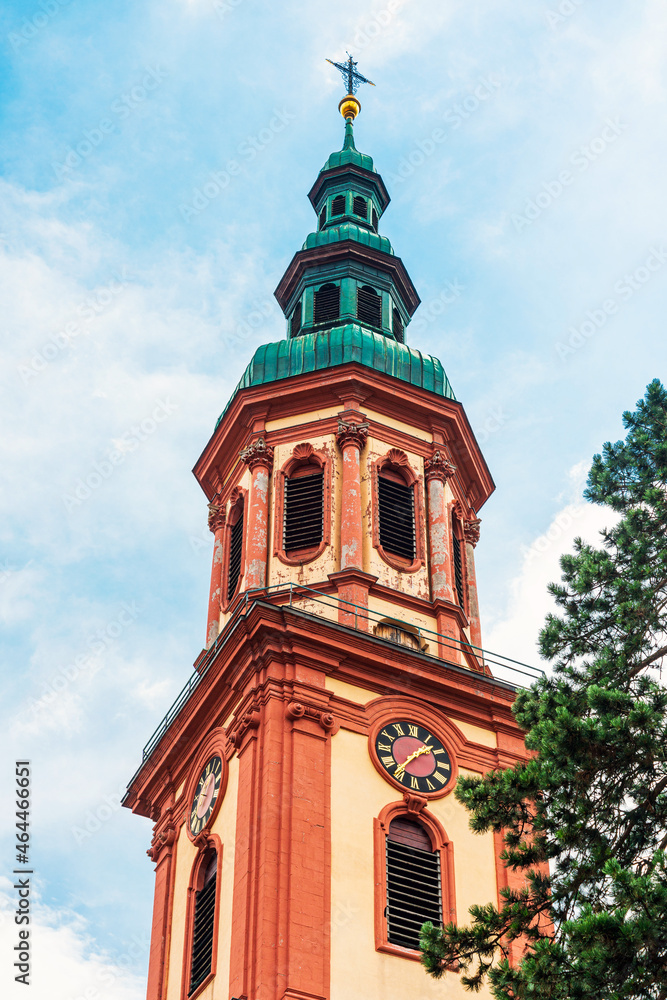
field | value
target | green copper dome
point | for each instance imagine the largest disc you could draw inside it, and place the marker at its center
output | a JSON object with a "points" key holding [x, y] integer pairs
{"points": [[349, 154], [341, 346], [348, 231]]}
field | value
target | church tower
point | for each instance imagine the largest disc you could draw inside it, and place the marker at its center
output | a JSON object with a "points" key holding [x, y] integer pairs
{"points": [[301, 784]]}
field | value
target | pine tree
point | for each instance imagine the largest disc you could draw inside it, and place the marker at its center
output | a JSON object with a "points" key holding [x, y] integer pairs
{"points": [[585, 820]]}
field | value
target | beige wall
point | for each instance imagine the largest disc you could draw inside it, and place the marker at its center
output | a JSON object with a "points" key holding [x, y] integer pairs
{"points": [[358, 794], [225, 827]]}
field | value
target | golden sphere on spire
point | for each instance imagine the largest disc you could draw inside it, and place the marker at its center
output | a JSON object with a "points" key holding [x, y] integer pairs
{"points": [[349, 107]]}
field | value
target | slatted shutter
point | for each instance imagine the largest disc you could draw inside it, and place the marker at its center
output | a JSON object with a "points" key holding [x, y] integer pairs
{"points": [[458, 563], [327, 303], [235, 552], [397, 325], [369, 306], [374, 219], [323, 217], [360, 207], [202, 938], [303, 523], [295, 323], [414, 884], [338, 205], [396, 516]]}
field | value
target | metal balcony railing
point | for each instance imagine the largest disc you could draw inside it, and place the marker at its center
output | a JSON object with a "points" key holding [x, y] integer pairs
{"points": [[314, 603]]}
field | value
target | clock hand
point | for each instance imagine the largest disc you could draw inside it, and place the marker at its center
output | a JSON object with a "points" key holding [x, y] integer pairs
{"points": [[400, 770]]}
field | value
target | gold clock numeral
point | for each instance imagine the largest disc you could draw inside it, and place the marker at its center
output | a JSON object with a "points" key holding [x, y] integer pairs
{"points": [[387, 736], [399, 729], [388, 761], [438, 751], [414, 783], [431, 787], [412, 730], [384, 746], [442, 778]]}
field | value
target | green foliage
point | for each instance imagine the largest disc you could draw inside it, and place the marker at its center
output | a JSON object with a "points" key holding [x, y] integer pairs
{"points": [[585, 820]]}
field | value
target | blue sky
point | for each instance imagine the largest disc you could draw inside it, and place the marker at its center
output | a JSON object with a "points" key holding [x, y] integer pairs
{"points": [[523, 145]]}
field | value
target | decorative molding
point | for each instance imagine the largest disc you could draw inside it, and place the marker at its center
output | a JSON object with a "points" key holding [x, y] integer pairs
{"points": [[297, 710], [439, 467], [471, 531], [217, 515], [258, 455], [161, 841], [396, 457], [414, 803], [249, 720], [350, 432], [302, 452]]}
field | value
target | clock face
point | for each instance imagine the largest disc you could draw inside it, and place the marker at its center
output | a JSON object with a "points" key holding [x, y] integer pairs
{"points": [[413, 756], [206, 795]]}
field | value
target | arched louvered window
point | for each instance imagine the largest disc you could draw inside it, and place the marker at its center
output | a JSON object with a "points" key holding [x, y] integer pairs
{"points": [[323, 217], [295, 322], [369, 306], [359, 207], [397, 325], [338, 205], [235, 548], [457, 551], [303, 513], [374, 219], [327, 303], [396, 515], [414, 882], [204, 919]]}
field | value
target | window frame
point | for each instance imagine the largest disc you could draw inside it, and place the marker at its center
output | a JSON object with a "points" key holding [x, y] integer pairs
{"points": [[456, 525], [397, 462], [302, 454], [238, 496], [441, 845], [197, 872]]}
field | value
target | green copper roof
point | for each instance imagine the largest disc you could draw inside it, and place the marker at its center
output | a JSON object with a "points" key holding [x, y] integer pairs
{"points": [[348, 231], [349, 154], [318, 351]]}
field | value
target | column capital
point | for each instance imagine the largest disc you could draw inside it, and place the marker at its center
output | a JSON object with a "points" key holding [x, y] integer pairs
{"points": [[258, 454], [471, 531], [216, 514], [351, 432], [438, 467]]}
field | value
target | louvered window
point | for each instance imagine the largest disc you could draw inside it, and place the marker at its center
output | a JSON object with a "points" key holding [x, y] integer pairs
{"points": [[458, 564], [359, 207], [414, 886], [397, 325], [202, 938], [295, 322], [304, 511], [338, 205], [374, 219], [235, 551], [369, 306], [397, 517], [323, 217], [327, 303]]}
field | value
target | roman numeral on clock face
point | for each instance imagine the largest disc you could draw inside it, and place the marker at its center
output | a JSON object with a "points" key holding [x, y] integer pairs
{"points": [[413, 730], [413, 758]]}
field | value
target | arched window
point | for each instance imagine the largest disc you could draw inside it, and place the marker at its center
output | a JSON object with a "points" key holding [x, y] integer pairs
{"points": [[303, 506], [204, 920], [295, 322], [396, 514], [360, 207], [338, 205], [327, 303], [369, 306], [414, 882], [374, 219], [323, 217], [235, 554], [397, 325], [457, 552], [303, 513]]}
